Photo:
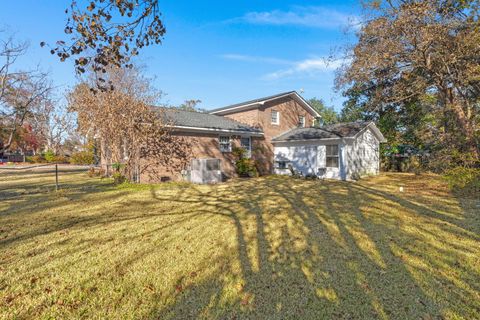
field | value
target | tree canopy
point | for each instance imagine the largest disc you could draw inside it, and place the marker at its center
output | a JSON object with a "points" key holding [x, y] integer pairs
{"points": [[108, 32], [416, 69], [328, 114]]}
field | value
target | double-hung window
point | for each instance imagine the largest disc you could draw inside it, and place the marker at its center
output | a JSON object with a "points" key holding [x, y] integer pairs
{"points": [[225, 144], [246, 143], [301, 121], [332, 156], [275, 117]]}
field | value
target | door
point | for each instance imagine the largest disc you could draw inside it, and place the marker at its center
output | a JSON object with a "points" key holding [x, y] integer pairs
{"points": [[246, 143]]}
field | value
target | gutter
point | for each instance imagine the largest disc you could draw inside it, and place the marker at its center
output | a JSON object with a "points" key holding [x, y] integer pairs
{"points": [[213, 130]]}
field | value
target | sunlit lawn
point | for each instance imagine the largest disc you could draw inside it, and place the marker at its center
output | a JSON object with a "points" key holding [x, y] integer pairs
{"points": [[267, 248]]}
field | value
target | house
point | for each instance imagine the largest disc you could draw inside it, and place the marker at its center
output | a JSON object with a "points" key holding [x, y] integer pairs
{"points": [[343, 151], [276, 131]]}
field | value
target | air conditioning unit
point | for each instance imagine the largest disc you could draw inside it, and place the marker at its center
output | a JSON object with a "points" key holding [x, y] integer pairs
{"points": [[204, 171]]}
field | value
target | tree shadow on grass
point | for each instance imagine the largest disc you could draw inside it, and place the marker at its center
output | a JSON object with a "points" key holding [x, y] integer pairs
{"points": [[322, 250], [291, 249]]}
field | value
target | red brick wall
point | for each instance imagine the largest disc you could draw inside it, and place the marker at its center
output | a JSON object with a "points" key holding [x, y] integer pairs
{"points": [[290, 112], [204, 146]]}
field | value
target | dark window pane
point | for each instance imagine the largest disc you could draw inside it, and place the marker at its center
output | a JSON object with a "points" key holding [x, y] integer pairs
{"points": [[281, 164], [332, 162], [213, 164], [332, 150]]}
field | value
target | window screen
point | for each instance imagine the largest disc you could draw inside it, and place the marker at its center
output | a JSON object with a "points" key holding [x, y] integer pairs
{"points": [[275, 117], [332, 156], [225, 144]]}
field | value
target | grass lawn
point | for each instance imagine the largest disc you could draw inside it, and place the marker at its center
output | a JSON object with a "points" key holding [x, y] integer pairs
{"points": [[266, 248]]}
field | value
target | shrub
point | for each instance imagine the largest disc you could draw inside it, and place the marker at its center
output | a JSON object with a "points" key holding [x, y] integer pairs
{"points": [[35, 159], [60, 159], [82, 157], [117, 166], [463, 180], [92, 172], [245, 167], [49, 156], [118, 178]]}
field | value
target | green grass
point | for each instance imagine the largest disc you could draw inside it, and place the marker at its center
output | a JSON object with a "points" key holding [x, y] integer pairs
{"points": [[266, 248]]}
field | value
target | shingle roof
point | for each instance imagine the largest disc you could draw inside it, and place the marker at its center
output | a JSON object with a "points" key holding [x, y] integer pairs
{"points": [[252, 101], [338, 130], [176, 117]]}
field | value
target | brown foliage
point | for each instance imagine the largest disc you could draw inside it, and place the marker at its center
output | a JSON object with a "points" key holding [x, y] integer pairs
{"points": [[126, 124], [114, 30], [426, 52]]}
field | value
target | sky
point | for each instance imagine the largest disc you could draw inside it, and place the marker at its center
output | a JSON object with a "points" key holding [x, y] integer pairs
{"points": [[220, 52]]}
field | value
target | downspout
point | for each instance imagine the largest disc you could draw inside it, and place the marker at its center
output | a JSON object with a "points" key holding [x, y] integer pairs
{"points": [[343, 158]]}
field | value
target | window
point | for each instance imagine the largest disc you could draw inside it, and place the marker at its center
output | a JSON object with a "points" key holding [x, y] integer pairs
{"points": [[275, 117], [225, 144], [281, 164], [245, 143], [332, 156], [301, 121], [212, 164]]}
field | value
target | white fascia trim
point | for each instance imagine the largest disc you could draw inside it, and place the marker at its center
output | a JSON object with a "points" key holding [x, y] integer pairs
{"points": [[246, 106], [210, 130], [376, 131], [307, 105], [311, 140]]}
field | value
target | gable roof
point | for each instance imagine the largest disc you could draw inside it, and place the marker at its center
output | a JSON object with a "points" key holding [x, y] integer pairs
{"points": [[333, 131], [258, 102], [197, 121]]}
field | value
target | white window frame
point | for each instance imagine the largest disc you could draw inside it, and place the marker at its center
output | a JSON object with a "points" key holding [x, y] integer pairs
{"points": [[225, 146], [301, 121], [249, 149], [327, 155], [277, 122]]}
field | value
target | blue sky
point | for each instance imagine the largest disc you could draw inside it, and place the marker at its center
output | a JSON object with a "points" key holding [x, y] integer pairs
{"points": [[216, 51]]}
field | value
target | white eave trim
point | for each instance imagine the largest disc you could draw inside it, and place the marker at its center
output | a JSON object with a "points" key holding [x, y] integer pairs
{"points": [[249, 105], [375, 130], [312, 140], [215, 130]]}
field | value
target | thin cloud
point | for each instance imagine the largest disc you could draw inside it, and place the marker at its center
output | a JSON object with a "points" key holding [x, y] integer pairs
{"points": [[316, 17], [307, 67], [255, 59]]}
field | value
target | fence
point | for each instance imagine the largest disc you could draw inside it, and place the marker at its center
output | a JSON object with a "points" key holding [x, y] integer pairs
{"points": [[19, 180]]}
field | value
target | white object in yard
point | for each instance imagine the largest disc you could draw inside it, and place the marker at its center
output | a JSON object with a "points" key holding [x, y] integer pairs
{"points": [[401, 189], [205, 171]]}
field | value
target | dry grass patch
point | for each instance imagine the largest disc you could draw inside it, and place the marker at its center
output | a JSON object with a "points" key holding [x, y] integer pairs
{"points": [[271, 247]]}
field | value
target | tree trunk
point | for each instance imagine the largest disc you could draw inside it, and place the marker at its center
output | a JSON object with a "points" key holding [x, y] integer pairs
{"points": [[9, 142], [466, 126]]}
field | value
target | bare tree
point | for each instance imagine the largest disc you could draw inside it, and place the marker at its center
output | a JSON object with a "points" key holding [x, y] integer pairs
{"points": [[10, 50], [24, 91], [130, 130], [53, 123]]}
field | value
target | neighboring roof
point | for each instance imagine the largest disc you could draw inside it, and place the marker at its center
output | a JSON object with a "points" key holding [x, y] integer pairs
{"points": [[256, 102], [190, 120], [333, 131]]}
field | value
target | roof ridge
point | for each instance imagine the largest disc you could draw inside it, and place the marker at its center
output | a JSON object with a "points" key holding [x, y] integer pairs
{"points": [[253, 101]]}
